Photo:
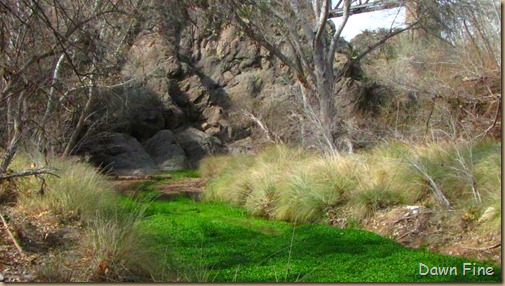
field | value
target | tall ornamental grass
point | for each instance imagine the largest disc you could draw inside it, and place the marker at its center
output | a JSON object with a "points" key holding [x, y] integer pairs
{"points": [[295, 185]]}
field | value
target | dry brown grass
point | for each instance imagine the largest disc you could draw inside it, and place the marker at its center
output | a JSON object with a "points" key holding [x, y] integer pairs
{"points": [[291, 185], [110, 247]]}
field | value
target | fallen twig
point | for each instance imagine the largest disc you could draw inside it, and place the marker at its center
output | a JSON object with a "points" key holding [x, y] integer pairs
{"points": [[405, 218], [29, 172], [144, 177], [11, 235], [485, 248], [405, 234]]}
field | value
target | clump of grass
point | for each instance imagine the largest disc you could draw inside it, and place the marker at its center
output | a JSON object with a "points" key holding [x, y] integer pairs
{"points": [[111, 247], [487, 171], [466, 173], [282, 183], [220, 171], [293, 185], [316, 185], [371, 200], [262, 191], [78, 194], [122, 252]]}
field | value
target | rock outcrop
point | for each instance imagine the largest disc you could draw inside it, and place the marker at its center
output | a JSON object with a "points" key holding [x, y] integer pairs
{"points": [[188, 94], [165, 152], [123, 155], [196, 144], [199, 80]]}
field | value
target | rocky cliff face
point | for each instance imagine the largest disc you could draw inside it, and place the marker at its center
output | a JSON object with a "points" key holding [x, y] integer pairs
{"points": [[204, 81]]}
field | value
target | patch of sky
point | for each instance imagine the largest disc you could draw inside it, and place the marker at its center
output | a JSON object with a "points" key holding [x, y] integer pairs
{"points": [[358, 23]]}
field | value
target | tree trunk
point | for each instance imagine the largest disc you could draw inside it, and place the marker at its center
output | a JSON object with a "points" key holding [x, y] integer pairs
{"points": [[51, 101], [82, 118], [327, 111], [14, 131]]}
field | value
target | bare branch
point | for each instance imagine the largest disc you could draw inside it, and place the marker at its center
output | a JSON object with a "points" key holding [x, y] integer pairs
{"points": [[495, 121], [12, 237], [29, 172], [250, 30], [51, 100], [374, 46], [304, 22], [366, 7], [338, 32], [260, 124], [321, 22]]}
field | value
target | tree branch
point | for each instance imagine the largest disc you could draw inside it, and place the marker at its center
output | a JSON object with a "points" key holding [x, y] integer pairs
{"points": [[260, 39], [321, 23], [16, 244], [29, 172], [307, 29], [366, 7], [373, 47], [338, 32]]}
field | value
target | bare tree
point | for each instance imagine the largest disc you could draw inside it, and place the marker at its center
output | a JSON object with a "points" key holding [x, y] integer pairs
{"points": [[300, 34], [54, 57]]}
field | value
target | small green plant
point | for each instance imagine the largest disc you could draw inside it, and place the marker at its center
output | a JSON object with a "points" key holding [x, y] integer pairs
{"points": [[353, 223], [186, 173]]}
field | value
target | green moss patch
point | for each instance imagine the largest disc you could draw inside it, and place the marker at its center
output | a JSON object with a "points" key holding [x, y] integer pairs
{"points": [[215, 242]]}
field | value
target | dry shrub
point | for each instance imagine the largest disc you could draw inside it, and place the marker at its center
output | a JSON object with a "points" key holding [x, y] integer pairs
{"points": [[440, 90]]}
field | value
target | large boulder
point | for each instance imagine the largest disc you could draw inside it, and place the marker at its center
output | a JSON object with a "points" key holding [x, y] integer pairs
{"points": [[165, 152], [197, 144], [124, 155]]}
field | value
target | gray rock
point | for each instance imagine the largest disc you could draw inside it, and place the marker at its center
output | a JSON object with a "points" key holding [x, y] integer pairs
{"points": [[240, 147], [248, 83], [196, 144], [165, 152], [219, 129], [213, 67], [125, 156], [213, 114]]}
